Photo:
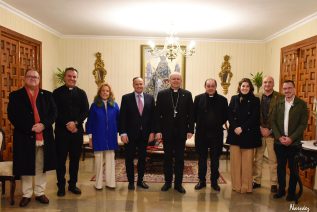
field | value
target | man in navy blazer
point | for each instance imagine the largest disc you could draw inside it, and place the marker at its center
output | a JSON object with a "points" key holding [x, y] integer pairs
{"points": [[136, 129]]}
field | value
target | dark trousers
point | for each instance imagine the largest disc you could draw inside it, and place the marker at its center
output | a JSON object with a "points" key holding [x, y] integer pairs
{"points": [[130, 149], [286, 154], [67, 144], [174, 147], [215, 152]]}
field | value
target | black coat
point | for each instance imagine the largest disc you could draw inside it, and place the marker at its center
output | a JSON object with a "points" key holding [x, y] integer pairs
{"points": [[244, 114], [21, 116], [210, 114], [130, 119], [164, 112], [72, 105]]}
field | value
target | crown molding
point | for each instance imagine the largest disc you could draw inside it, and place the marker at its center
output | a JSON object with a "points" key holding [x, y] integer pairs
{"points": [[102, 37], [26, 17], [291, 27], [62, 36]]}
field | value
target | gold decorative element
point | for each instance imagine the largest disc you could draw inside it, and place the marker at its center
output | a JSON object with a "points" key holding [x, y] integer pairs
{"points": [[99, 72], [225, 74]]}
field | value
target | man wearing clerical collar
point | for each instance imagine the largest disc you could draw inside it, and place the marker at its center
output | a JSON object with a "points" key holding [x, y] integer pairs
{"points": [[288, 124], [174, 124], [210, 114], [72, 105]]}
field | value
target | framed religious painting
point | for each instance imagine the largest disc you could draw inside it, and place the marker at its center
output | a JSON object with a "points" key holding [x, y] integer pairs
{"points": [[155, 70]]}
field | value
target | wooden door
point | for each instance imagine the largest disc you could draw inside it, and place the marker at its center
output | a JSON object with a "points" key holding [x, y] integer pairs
{"points": [[17, 54], [298, 63], [306, 84], [289, 66]]}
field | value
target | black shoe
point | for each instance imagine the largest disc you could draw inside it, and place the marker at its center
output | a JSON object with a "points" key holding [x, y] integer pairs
{"points": [[180, 189], [142, 185], [74, 190], [290, 197], [42, 199], [274, 188], [25, 201], [279, 194], [256, 185], [131, 186], [61, 191], [166, 187], [215, 186], [200, 185]]}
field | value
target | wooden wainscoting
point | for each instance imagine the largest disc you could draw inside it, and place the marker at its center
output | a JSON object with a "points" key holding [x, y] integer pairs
{"points": [[17, 54]]}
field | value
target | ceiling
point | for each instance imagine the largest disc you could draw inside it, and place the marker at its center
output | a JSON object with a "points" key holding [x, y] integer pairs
{"points": [[209, 19]]}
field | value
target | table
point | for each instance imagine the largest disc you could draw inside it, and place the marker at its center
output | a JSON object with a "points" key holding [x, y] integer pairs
{"points": [[309, 146]]}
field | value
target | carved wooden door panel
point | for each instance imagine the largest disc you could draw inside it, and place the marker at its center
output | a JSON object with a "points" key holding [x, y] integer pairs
{"points": [[306, 84], [17, 54], [298, 63], [289, 66]]}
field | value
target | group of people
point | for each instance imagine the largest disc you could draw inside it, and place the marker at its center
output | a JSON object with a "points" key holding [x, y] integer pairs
{"points": [[33, 111], [269, 120]]}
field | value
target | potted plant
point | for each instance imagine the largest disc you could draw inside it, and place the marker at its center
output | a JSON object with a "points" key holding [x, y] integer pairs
{"points": [[59, 75], [257, 80]]}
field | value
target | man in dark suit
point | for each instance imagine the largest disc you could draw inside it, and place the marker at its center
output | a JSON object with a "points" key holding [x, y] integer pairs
{"points": [[72, 106], [289, 122], [210, 114], [136, 129], [174, 124], [32, 112]]}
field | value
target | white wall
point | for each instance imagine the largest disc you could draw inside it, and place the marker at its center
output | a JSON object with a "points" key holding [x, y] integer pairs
{"points": [[122, 57], [122, 60], [273, 47]]}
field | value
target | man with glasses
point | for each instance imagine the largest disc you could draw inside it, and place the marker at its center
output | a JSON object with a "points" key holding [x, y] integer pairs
{"points": [[32, 112], [288, 124], [73, 107]]}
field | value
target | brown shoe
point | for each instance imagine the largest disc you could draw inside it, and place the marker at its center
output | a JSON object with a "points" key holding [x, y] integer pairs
{"points": [[42, 199], [24, 201]]}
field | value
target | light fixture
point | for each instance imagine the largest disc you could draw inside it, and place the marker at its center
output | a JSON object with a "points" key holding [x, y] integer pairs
{"points": [[172, 48]]}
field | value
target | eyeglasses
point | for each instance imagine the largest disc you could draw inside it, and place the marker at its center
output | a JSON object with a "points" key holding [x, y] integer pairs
{"points": [[32, 77]]}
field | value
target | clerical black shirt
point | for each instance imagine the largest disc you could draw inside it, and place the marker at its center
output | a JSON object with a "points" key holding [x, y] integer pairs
{"points": [[72, 105]]}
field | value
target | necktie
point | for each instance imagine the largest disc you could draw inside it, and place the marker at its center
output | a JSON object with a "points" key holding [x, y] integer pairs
{"points": [[140, 104]]}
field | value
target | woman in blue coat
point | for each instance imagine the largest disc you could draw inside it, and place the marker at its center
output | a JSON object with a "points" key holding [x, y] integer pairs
{"points": [[102, 128]]}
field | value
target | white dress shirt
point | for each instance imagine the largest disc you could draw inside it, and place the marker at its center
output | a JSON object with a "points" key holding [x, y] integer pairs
{"points": [[288, 106]]}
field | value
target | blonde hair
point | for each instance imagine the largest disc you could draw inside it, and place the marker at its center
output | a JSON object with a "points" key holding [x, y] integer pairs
{"points": [[98, 99]]}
